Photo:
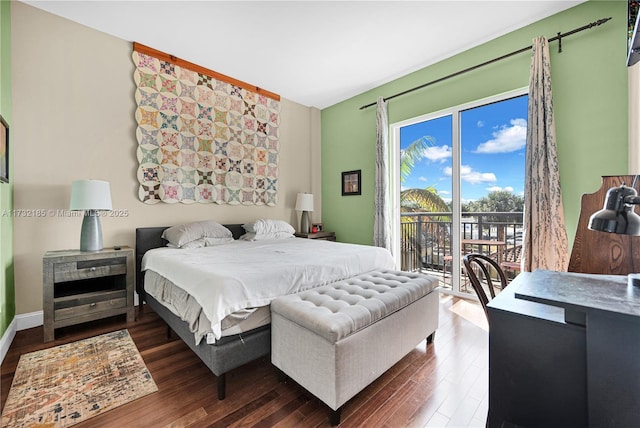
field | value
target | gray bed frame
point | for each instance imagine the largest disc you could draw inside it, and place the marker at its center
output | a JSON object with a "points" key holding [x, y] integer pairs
{"points": [[229, 352]]}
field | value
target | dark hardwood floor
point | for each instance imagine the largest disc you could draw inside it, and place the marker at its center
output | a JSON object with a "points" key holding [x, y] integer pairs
{"points": [[440, 385]]}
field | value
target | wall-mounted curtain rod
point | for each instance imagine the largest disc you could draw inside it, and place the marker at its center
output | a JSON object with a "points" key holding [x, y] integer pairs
{"points": [[457, 73]]}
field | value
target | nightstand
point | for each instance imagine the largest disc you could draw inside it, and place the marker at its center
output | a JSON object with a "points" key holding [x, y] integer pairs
{"points": [[81, 286], [325, 236]]}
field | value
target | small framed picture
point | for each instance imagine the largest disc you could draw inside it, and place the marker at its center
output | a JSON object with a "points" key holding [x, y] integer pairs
{"points": [[351, 183], [316, 227]]}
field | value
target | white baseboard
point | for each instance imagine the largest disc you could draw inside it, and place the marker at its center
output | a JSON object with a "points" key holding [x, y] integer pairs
{"points": [[7, 338], [23, 322], [19, 322], [30, 320]]}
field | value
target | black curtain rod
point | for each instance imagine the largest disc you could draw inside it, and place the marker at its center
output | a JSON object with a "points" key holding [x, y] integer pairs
{"points": [[558, 37]]}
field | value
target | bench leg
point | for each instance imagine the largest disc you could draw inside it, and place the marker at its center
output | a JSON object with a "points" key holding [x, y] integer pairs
{"points": [[431, 337], [222, 385], [282, 377]]}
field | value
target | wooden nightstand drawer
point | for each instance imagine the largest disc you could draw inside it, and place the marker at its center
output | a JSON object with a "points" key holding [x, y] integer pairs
{"points": [[74, 271], [89, 303]]}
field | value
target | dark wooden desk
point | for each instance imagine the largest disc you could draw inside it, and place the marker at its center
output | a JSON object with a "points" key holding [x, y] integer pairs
{"points": [[564, 351]]}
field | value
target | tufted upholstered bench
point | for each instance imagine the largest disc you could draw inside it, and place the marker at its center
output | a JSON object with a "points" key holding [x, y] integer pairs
{"points": [[336, 339]]}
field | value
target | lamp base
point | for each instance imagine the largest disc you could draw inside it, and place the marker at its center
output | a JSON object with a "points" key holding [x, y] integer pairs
{"points": [[91, 233], [304, 222]]}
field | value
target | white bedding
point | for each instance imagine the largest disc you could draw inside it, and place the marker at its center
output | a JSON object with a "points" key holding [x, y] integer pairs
{"points": [[226, 278], [184, 306]]}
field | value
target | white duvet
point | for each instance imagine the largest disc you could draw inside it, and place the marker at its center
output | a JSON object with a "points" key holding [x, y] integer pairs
{"points": [[226, 278]]}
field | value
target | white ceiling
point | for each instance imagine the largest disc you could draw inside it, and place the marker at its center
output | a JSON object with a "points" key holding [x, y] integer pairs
{"points": [[316, 53]]}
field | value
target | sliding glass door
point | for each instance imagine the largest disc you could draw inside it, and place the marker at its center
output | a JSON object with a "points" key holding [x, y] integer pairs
{"points": [[459, 185]]}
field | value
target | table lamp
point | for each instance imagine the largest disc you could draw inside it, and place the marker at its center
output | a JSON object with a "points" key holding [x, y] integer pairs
{"points": [[304, 203], [90, 196], [618, 216]]}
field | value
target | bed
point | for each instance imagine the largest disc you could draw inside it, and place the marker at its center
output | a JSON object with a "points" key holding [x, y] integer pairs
{"points": [[229, 351]]}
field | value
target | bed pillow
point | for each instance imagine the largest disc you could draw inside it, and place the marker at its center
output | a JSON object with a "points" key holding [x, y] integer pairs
{"points": [[248, 227], [202, 242], [269, 226], [198, 243], [211, 242], [251, 236], [189, 232]]}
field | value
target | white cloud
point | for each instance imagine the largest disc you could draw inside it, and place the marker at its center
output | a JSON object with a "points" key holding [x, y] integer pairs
{"points": [[499, 189], [423, 179], [507, 138], [437, 153], [480, 124], [470, 176], [444, 192]]}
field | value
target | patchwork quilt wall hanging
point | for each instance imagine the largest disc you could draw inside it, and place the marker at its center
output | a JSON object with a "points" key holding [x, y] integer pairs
{"points": [[202, 136]]}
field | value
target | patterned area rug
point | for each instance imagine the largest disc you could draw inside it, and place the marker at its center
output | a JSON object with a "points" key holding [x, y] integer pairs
{"points": [[65, 385]]}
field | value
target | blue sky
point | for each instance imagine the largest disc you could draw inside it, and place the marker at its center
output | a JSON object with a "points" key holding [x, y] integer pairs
{"points": [[493, 150]]}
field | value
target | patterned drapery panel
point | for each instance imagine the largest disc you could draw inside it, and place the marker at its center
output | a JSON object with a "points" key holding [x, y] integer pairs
{"points": [[545, 236], [382, 219], [201, 139]]}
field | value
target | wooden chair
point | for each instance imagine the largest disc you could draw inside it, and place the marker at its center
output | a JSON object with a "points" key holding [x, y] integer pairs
{"points": [[479, 267]]}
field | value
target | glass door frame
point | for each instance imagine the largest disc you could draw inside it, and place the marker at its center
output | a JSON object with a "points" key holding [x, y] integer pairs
{"points": [[394, 156]]}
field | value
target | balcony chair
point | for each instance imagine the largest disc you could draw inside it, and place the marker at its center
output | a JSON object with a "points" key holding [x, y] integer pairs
{"points": [[478, 267], [511, 258]]}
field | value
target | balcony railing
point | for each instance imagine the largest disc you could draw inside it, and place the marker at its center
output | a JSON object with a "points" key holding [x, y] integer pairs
{"points": [[426, 238]]}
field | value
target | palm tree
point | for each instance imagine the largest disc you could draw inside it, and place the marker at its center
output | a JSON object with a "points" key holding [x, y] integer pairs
{"points": [[412, 200], [412, 154], [418, 200]]}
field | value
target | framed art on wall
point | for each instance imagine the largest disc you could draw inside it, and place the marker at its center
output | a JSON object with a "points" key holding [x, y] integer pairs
{"points": [[4, 151], [351, 183]]}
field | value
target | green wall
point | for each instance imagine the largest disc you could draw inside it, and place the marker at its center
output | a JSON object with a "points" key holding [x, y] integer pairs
{"points": [[589, 80], [7, 291]]}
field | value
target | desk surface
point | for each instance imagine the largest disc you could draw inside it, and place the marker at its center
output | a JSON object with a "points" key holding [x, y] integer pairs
{"points": [[507, 302], [579, 291]]}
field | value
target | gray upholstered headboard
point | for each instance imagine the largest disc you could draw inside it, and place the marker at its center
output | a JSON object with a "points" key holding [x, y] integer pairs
{"points": [[148, 238]]}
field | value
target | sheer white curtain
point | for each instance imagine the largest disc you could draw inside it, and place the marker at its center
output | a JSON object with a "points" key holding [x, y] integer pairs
{"points": [[382, 216], [545, 235]]}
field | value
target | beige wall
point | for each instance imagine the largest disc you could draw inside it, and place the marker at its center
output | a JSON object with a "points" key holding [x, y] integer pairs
{"points": [[73, 118]]}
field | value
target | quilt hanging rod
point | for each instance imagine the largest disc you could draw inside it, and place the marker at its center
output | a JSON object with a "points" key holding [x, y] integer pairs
{"points": [[500, 58]]}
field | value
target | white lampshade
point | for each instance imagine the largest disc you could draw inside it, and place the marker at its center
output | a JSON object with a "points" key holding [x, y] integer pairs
{"points": [[304, 202], [90, 195]]}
